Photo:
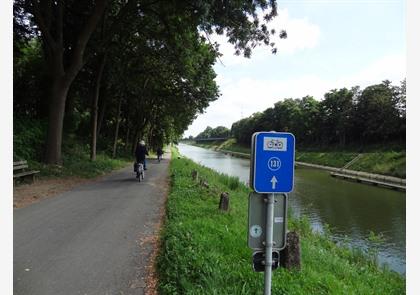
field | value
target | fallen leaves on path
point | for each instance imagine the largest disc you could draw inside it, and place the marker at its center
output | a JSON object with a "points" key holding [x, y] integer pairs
{"points": [[154, 241]]}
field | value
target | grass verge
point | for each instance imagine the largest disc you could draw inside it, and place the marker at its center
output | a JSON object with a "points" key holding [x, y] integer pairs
{"points": [[76, 162], [332, 159], [204, 251], [390, 163]]}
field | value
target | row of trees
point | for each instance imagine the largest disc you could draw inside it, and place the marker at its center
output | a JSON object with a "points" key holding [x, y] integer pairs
{"points": [[218, 132], [374, 115], [124, 69]]}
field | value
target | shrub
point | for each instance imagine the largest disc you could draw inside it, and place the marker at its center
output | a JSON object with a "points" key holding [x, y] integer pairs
{"points": [[28, 138]]}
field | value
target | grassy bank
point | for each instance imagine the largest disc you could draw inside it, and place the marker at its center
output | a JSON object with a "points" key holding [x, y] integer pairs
{"points": [[204, 251], [374, 160], [380, 162], [76, 162]]}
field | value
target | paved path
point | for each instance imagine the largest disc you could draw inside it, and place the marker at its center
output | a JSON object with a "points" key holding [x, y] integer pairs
{"points": [[89, 240]]}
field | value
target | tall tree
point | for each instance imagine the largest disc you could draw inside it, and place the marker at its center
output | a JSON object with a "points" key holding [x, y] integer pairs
{"points": [[336, 118], [67, 30], [377, 113], [94, 112], [64, 54]]}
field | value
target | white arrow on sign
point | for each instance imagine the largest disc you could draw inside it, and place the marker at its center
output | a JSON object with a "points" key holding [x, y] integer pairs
{"points": [[273, 182]]}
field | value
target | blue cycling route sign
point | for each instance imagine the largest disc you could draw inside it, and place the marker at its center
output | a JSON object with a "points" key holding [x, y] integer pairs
{"points": [[272, 162]]}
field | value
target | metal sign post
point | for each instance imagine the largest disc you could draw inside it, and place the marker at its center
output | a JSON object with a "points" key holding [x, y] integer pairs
{"points": [[269, 244], [272, 172]]}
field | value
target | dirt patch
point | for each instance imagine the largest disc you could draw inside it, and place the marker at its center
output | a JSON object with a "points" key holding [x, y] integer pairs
{"points": [[151, 277], [154, 240], [26, 194]]}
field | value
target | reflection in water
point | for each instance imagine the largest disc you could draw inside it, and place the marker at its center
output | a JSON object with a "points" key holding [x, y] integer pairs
{"points": [[350, 209]]}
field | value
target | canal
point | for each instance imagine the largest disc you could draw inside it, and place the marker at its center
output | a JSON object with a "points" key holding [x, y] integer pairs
{"points": [[352, 210]]}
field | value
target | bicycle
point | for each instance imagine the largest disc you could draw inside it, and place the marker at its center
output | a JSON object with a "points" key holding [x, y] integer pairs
{"points": [[139, 169]]}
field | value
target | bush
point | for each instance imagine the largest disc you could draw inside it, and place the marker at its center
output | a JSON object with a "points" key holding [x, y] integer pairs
{"points": [[29, 142], [28, 139]]}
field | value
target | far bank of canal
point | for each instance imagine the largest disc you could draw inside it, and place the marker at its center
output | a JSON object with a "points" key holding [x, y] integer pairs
{"points": [[352, 210]]}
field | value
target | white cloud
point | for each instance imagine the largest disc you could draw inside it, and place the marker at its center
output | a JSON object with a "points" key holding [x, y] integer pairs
{"points": [[390, 67], [301, 34], [243, 97]]}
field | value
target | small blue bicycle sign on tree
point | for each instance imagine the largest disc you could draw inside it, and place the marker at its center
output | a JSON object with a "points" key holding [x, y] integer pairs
{"points": [[273, 158]]}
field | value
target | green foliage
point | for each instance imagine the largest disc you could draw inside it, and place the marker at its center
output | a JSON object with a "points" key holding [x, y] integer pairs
{"points": [[80, 165], [29, 83], [76, 161], [158, 66], [386, 162], [204, 251], [333, 159], [218, 132], [344, 117], [377, 112], [28, 139], [232, 182]]}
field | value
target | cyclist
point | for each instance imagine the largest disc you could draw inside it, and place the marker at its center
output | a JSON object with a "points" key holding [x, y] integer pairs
{"points": [[141, 152], [159, 153]]}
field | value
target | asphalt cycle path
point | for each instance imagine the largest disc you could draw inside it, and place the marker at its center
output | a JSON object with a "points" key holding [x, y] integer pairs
{"points": [[90, 240]]}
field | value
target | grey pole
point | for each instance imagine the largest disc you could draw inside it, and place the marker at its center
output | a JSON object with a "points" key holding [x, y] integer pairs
{"points": [[269, 244]]}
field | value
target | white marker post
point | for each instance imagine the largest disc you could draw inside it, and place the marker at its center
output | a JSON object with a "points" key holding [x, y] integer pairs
{"points": [[269, 244]]}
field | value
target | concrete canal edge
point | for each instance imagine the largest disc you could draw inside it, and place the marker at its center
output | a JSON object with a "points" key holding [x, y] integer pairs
{"points": [[359, 176], [236, 154]]}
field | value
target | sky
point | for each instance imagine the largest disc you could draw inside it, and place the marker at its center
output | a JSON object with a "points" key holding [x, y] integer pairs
{"points": [[331, 44]]}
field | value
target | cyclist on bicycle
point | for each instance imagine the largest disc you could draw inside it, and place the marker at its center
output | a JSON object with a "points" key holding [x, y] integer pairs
{"points": [[159, 153], [141, 152]]}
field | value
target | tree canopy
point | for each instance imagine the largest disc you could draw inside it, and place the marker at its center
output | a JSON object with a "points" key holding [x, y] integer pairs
{"points": [[116, 71], [374, 115], [218, 132]]}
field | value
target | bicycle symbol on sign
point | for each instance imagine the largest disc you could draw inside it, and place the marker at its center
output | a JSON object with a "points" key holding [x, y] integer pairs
{"points": [[275, 144]]}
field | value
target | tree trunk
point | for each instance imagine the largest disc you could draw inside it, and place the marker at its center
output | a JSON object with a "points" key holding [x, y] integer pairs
{"points": [[94, 113], [59, 90], [343, 139], [102, 108], [62, 76], [127, 137], [134, 141], [114, 150], [71, 118]]}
